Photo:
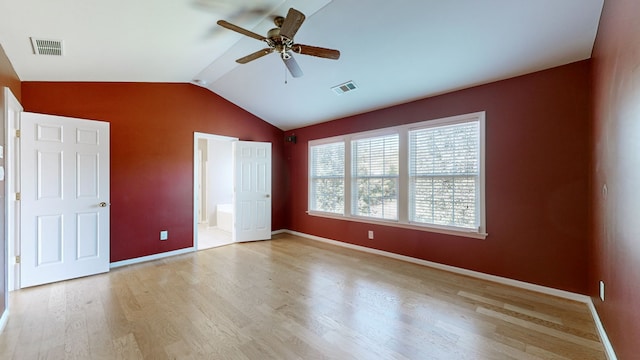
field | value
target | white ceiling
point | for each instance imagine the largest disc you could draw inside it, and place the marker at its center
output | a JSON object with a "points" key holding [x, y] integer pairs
{"points": [[395, 51]]}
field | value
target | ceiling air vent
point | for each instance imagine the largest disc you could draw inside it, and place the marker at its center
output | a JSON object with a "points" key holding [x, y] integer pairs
{"points": [[46, 47], [343, 88]]}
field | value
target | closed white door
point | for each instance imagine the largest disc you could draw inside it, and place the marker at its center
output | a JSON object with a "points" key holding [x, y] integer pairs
{"points": [[252, 191], [64, 185]]}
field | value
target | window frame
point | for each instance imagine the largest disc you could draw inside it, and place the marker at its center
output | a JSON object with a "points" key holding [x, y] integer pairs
{"points": [[321, 142], [353, 178], [403, 178]]}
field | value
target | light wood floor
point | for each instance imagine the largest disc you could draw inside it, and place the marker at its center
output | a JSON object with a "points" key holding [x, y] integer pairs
{"points": [[291, 298], [209, 237]]}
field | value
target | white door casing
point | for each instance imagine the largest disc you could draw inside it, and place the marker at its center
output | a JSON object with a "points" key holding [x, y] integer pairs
{"points": [[64, 185], [252, 193], [12, 112]]}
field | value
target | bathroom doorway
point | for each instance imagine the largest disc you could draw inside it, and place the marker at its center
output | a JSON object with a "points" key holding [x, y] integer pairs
{"points": [[213, 190]]}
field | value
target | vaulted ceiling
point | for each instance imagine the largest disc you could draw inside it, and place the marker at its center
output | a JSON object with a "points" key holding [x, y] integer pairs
{"points": [[394, 51]]}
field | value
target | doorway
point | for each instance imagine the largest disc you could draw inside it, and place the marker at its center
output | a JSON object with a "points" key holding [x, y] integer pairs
{"points": [[213, 190]]}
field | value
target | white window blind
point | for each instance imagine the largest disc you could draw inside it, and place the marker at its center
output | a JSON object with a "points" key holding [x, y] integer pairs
{"points": [[427, 176], [444, 175], [326, 177], [374, 177]]}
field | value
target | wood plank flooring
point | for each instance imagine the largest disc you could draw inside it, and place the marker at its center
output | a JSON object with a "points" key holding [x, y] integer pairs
{"points": [[291, 298]]}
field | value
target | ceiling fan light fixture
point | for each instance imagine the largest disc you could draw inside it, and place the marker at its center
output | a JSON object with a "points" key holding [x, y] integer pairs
{"points": [[280, 40], [345, 87]]}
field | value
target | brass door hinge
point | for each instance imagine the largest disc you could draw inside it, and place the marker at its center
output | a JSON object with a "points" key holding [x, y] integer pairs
{"points": [[18, 196], [18, 133], [18, 259]]}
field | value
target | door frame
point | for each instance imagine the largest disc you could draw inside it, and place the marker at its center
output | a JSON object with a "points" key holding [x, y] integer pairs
{"points": [[12, 186], [196, 176]]}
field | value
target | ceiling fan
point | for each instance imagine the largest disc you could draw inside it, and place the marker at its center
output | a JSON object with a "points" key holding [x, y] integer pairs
{"points": [[280, 40]]}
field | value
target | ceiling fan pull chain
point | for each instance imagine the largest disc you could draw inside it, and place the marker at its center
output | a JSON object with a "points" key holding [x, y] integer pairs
{"points": [[285, 75]]}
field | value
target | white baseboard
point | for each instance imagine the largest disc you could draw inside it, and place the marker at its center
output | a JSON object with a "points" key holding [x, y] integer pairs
{"points": [[498, 279], [3, 319], [608, 348], [138, 260], [476, 274]]}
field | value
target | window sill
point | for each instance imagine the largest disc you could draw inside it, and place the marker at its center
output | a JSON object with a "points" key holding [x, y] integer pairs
{"points": [[429, 228]]}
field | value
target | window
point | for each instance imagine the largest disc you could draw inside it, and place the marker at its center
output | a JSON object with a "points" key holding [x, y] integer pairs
{"points": [[444, 175], [427, 175], [374, 177], [327, 178]]}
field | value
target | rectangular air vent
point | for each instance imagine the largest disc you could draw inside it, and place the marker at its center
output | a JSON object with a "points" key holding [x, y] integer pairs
{"points": [[47, 47], [343, 88]]}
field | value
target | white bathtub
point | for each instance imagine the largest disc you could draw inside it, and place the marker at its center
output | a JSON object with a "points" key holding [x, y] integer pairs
{"points": [[224, 217]]}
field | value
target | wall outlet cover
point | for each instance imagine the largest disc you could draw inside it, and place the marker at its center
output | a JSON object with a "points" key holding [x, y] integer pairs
{"points": [[164, 235]]}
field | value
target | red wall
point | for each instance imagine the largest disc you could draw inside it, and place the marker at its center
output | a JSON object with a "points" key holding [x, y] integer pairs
{"points": [[8, 76], [537, 151], [616, 155], [152, 126]]}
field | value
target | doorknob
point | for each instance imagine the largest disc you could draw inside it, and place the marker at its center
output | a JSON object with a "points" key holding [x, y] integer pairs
{"points": [[268, 196], [103, 204]]}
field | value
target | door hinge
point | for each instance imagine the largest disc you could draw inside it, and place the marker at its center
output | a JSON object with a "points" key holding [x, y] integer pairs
{"points": [[18, 196], [18, 133], [18, 259]]}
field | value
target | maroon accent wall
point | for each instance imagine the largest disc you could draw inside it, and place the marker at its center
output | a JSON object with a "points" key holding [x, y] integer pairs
{"points": [[616, 164], [152, 126], [8, 76], [537, 167]]}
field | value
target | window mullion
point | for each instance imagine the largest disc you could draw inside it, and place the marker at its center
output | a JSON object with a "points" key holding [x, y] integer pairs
{"points": [[349, 178], [403, 176]]}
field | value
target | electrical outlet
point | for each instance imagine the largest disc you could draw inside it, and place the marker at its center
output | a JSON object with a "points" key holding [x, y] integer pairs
{"points": [[164, 235], [601, 290], [370, 234]]}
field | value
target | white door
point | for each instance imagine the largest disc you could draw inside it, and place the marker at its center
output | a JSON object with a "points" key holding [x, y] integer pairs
{"points": [[252, 191], [64, 185]]}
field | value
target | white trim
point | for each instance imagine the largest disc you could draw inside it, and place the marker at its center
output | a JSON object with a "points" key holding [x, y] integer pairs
{"points": [[609, 352], [12, 185], [163, 255], [471, 233], [476, 274], [4, 319], [608, 348], [403, 131], [142, 259]]}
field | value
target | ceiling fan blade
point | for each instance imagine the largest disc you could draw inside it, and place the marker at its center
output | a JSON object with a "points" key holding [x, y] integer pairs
{"points": [[255, 55], [292, 65], [291, 23], [240, 30], [316, 51]]}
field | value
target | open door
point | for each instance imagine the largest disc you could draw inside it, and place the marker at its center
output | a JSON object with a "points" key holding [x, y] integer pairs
{"points": [[252, 191], [64, 185]]}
